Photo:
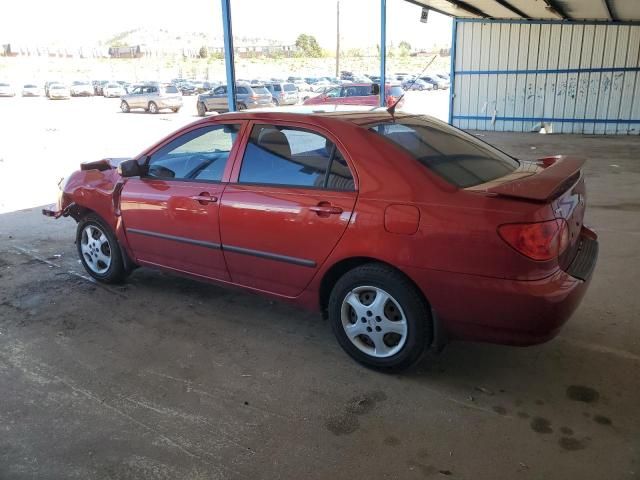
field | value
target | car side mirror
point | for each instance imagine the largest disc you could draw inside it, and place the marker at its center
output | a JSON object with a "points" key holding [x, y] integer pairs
{"points": [[130, 168]]}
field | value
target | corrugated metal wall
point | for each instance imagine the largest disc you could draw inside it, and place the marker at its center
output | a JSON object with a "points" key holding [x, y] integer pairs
{"points": [[577, 77]]}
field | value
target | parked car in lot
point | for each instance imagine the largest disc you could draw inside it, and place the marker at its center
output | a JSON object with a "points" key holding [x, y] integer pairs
{"points": [[113, 90], [98, 86], [437, 82], [187, 89], [400, 228], [283, 93], [7, 90], [59, 91], [48, 83], [417, 84], [358, 94], [247, 97], [152, 97], [81, 89], [31, 90], [202, 87]]}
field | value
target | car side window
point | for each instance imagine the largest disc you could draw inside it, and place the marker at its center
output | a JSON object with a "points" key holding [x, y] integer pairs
{"points": [[200, 154], [220, 91], [333, 93], [241, 90], [291, 156]]}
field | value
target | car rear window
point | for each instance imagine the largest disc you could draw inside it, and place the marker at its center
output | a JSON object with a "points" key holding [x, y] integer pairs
{"points": [[260, 90], [170, 89], [289, 87], [456, 156], [396, 91]]}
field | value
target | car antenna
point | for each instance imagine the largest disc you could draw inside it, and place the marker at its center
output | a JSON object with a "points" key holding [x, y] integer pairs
{"points": [[392, 108]]}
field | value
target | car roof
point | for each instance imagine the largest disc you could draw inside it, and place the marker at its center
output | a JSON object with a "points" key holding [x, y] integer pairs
{"points": [[358, 115]]}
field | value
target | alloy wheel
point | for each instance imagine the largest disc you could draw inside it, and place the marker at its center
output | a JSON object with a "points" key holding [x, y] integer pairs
{"points": [[95, 249]]}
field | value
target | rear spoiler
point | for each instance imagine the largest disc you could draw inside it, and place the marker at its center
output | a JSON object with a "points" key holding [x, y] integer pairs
{"points": [[556, 175]]}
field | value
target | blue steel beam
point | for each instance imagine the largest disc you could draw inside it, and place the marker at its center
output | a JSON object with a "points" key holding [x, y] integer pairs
{"points": [[383, 52], [228, 54], [452, 75]]}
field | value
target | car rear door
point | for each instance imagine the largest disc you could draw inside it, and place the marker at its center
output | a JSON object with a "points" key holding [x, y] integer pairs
{"points": [[291, 201], [171, 215]]}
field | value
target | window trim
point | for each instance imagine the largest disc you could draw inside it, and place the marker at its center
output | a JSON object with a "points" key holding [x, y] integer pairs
{"points": [[293, 125]]}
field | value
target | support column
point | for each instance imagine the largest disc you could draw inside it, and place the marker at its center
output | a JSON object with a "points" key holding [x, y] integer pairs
{"points": [[228, 54]]}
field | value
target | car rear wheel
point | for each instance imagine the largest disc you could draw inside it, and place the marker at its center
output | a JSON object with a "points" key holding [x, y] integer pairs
{"points": [[175, 110], [153, 108], [379, 317], [276, 102], [124, 106], [99, 250], [242, 106], [202, 110]]}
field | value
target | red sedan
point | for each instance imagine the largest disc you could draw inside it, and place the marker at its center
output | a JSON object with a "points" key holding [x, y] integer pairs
{"points": [[359, 94], [403, 230]]}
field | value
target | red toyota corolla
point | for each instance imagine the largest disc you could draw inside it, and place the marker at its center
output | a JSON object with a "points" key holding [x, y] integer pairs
{"points": [[403, 230]]}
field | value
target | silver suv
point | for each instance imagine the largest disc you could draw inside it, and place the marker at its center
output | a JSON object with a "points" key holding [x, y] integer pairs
{"points": [[152, 97], [283, 93], [247, 97]]}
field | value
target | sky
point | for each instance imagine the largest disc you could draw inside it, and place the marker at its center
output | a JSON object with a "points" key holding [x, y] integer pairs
{"points": [[81, 22]]}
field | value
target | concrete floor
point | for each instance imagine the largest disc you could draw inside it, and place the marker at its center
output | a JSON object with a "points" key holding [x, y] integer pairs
{"points": [[172, 379]]}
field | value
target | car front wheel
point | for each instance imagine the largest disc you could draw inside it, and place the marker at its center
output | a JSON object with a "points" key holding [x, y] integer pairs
{"points": [[153, 108], [99, 250], [201, 109], [379, 317], [124, 106]]}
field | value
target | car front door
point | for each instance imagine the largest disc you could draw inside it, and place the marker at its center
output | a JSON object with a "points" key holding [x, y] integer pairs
{"points": [[217, 101], [170, 215], [291, 201]]}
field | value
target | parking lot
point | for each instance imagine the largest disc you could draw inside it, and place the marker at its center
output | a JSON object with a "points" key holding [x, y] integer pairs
{"points": [[165, 377]]}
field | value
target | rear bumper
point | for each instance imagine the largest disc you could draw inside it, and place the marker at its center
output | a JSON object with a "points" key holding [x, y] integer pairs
{"points": [[509, 312]]}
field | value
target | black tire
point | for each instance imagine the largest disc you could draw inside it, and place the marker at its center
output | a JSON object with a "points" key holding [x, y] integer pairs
{"points": [[153, 108], [116, 272], [202, 110], [175, 110], [419, 329], [241, 106], [124, 106], [276, 102]]}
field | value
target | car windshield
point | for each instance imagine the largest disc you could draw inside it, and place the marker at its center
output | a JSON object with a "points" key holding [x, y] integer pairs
{"points": [[28, 85], [289, 87], [113, 85], [170, 89], [4, 84], [456, 156]]}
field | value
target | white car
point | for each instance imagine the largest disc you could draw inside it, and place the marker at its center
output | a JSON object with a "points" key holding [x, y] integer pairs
{"points": [[302, 86], [113, 90], [321, 85], [31, 90], [59, 92], [81, 89], [6, 90]]}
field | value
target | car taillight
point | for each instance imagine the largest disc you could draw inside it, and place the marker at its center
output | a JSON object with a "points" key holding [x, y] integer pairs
{"points": [[539, 241], [254, 97]]}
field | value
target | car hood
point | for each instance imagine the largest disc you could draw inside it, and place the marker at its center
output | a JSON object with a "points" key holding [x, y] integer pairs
{"points": [[104, 164]]}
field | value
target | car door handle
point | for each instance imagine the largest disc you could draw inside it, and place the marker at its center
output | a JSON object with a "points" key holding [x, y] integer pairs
{"points": [[326, 209], [204, 198]]}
